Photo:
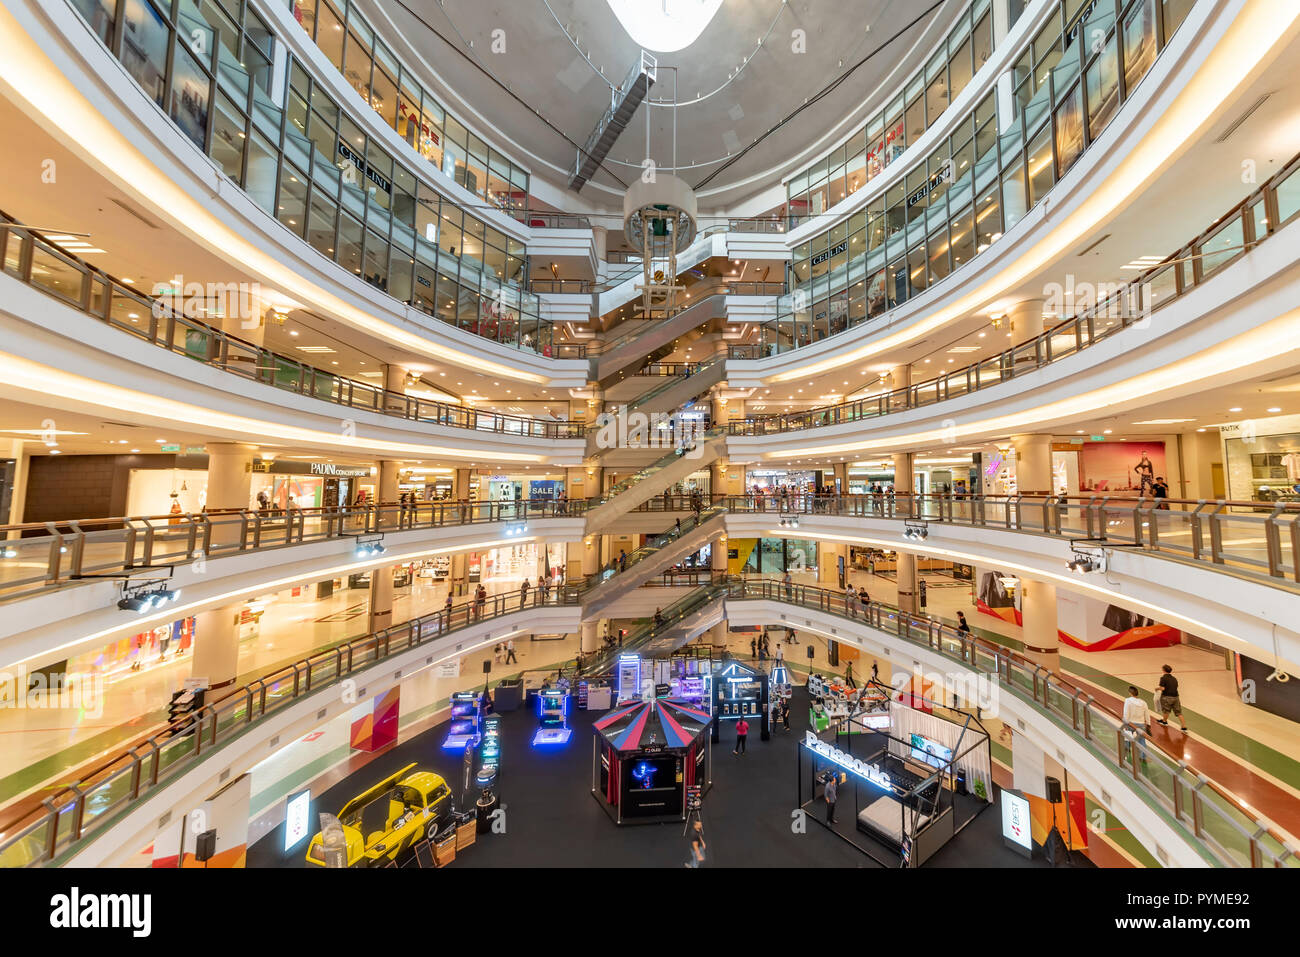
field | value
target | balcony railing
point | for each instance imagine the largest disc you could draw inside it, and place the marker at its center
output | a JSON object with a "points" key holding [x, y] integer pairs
{"points": [[45, 267], [56, 553], [88, 807], [1226, 828], [1260, 215], [1253, 539]]}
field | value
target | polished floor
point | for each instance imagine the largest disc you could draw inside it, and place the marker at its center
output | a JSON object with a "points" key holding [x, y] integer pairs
{"points": [[552, 819]]}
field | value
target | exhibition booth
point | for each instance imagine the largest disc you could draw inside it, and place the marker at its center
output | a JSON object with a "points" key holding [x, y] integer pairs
{"points": [[649, 759], [905, 789]]}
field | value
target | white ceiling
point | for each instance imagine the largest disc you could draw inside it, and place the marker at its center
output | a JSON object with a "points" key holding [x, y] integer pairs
{"points": [[544, 67]]}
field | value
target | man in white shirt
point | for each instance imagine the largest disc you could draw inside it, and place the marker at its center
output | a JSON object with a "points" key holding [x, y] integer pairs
{"points": [[1137, 722]]}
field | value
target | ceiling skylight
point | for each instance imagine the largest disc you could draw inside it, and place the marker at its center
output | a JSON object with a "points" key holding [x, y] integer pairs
{"points": [[664, 26]]}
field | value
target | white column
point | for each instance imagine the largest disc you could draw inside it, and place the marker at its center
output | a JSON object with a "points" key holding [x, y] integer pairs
{"points": [[907, 579], [1026, 320], [1040, 630], [1033, 464], [215, 657], [381, 598], [590, 637], [230, 484]]}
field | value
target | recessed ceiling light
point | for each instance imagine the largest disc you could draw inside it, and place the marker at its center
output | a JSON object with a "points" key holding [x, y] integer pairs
{"points": [[1275, 409], [1237, 409]]}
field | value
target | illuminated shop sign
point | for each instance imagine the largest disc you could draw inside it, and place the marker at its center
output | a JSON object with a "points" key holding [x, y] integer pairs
{"points": [[363, 168], [342, 471], [835, 250], [847, 761], [928, 187]]}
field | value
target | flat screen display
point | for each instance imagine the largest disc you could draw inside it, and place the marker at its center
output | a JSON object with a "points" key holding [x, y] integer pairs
{"points": [[1016, 828], [929, 752], [295, 819]]}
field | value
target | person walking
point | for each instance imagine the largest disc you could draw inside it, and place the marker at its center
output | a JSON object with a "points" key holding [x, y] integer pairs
{"points": [[1137, 723], [697, 846], [544, 586], [622, 561], [962, 623], [851, 601], [785, 713], [790, 639], [523, 593], [446, 607], [831, 793], [742, 732], [510, 652], [780, 655], [788, 582], [1169, 701], [848, 675], [753, 647]]}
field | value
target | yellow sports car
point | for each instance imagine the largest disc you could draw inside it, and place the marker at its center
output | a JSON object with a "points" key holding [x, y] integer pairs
{"points": [[386, 822]]}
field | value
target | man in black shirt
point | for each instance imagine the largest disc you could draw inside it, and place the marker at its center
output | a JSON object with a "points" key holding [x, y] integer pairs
{"points": [[1167, 697], [1160, 491]]}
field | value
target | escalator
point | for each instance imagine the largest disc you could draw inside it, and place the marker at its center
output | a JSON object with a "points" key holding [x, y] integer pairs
{"points": [[654, 479], [680, 622], [660, 553], [645, 337], [665, 397]]}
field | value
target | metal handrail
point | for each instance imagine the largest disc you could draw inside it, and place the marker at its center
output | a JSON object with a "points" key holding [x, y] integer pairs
{"points": [[58, 553], [1103, 520], [128, 777], [1085, 717], [1088, 327], [156, 321]]}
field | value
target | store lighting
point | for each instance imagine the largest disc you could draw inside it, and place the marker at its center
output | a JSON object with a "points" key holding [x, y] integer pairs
{"points": [[916, 531], [514, 531], [148, 598], [789, 521]]}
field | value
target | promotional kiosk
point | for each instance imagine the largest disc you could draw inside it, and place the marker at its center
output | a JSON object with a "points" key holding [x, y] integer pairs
{"points": [[647, 757], [466, 721], [553, 714], [903, 791], [741, 692]]}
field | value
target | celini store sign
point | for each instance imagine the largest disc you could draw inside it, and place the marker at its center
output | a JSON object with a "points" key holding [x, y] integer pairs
{"points": [[848, 762]]}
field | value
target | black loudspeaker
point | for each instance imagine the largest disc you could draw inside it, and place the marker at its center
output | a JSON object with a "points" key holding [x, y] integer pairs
{"points": [[960, 785], [487, 666], [810, 651], [1053, 790], [205, 846], [833, 653]]}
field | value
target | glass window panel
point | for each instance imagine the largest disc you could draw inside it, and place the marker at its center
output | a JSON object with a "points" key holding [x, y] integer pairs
{"points": [[383, 97], [145, 36], [1139, 32], [356, 68], [1259, 219], [982, 39], [195, 32], [320, 223], [959, 70], [1103, 88], [1223, 247], [988, 219], [1174, 13], [228, 134], [1013, 196], [936, 98], [1069, 129], [962, 237], [916, 268], [258, 66], [399, 275], [939, 265], [189, 99], [260, 177], [375, 270], [350, 238], [99, 14], [1039, 163], [291, 209], [915, 119]]}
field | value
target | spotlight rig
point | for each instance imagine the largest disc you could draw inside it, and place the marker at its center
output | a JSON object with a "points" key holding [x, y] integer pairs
{"points": [[147, 596], [916, 531], [1082, 562], [789, 521], [515, 531], [370, 547]]}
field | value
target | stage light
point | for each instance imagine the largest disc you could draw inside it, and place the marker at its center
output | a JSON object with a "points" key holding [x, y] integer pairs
{"points": [[916, 531], [1081, 563]]}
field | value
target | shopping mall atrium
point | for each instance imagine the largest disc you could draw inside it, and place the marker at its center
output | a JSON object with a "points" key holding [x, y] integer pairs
{"points": [[614, 433]]}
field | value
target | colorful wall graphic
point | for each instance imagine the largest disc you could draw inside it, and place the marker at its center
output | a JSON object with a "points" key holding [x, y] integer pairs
{"points": [[374, 724], [1091, 625]]}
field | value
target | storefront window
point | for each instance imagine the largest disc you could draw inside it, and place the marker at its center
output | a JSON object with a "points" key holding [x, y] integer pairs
{"points": [[144, 46]]}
